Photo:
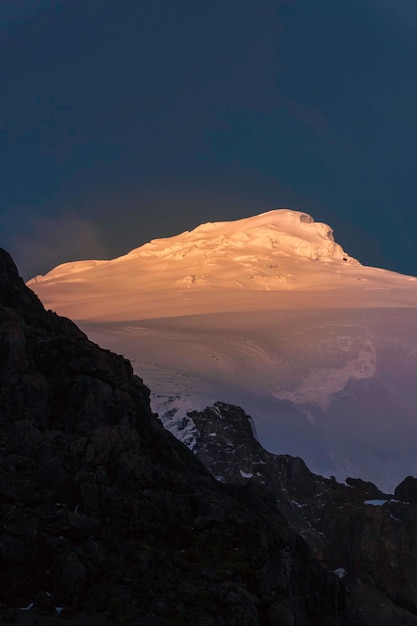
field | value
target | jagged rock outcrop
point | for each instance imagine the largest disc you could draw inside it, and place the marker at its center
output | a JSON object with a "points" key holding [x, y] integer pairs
{"points": [[407, 490], [102, 510], [366, 536]]}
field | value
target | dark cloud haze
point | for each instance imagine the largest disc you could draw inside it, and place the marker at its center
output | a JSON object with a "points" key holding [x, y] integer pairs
{"points": [[126, 120]]}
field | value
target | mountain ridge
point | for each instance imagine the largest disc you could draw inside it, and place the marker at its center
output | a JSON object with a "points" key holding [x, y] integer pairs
{"points": [[319, 349]]}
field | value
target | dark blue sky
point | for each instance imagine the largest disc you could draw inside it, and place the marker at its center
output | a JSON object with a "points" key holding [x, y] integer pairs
{"points": [[126, 120]]}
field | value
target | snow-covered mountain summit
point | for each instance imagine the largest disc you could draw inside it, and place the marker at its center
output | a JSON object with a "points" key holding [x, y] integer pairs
{"points": [[276, 233], [271, 314], [217, 267]]}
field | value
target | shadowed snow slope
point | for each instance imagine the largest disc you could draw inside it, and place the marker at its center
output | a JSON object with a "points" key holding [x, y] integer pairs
{"points": [[271, 314]]}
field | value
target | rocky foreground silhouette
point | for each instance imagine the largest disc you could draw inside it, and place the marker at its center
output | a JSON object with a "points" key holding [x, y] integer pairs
{"points": [[106, 518]]}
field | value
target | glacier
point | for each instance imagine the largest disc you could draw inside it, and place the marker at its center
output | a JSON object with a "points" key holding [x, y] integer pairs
{"points": [[271, 314]]}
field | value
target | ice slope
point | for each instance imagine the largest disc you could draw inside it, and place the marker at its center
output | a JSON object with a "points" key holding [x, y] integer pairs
{"points": [[271, 314]]}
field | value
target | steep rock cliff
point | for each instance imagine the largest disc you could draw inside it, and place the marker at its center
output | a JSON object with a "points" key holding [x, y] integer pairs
{"points": [[102, 510]]}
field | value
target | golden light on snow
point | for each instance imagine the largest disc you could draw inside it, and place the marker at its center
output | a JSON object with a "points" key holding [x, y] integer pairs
{"points": [[269, 313]]}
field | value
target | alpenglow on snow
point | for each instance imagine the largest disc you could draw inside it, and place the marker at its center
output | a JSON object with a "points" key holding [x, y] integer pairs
{"points": [[271, 314]]}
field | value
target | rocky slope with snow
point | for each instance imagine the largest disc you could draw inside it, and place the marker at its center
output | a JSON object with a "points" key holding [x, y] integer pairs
{"points": [[363, 535], [268, 313]]}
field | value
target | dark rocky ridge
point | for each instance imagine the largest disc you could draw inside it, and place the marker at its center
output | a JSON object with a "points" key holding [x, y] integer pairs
{"points": [[102, 510], [373, 546]]}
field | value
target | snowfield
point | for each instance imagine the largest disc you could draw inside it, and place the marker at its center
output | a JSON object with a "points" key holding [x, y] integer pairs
{"points": [[271, 314]]}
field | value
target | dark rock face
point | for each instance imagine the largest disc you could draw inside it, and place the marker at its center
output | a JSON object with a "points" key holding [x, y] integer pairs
{"points": [[102, 510], [407, 490], [368, 537]]}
